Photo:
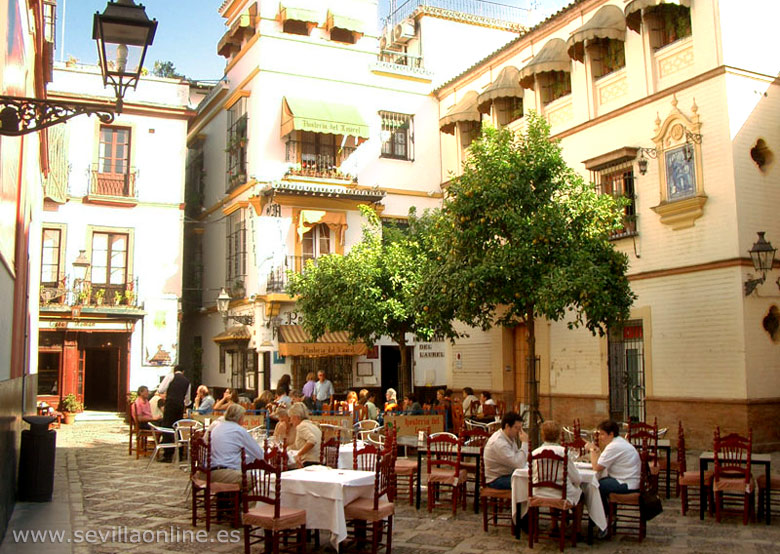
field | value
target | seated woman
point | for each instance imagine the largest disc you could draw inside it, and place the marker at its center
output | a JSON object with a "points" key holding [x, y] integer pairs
{"points": [[284, 430], [351, 401], [262, 401], [468, 401], [392, 400], [230, 396], [551, 437], [308, 436]]}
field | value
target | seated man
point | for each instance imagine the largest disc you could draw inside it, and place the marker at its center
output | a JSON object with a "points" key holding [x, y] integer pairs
{"points": [[502, 453], [227, 440], [157, 403], [143, 411], [204, 402], [308, 436], [551, 437], [618, 461]]}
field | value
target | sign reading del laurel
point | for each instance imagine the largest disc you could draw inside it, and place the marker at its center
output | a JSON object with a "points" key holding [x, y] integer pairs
{"points": [[408, 425]]}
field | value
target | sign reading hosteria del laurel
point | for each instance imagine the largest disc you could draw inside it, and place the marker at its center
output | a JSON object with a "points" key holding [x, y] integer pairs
{"points": [[318, 126], [324, 349]]}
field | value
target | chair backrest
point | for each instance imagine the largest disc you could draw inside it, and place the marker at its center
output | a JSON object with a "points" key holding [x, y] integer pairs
{"points": [[133, 415], [329, 452], [159, 432], [366, 458], [548, 470], [682, 464], [488, 410], [383, 482], [645, 436], [261, 481], [733, 454], [474, 408], [458, 417], [200, 456], [577, 444], [443, 450], [474, 437], [500, 408], [276, 454], [364, 426], [471, 425]]}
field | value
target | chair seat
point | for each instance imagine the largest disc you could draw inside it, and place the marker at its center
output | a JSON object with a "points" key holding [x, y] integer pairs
{"points": [[773, 479], [405, 467], [631, 498], [363, 508], [447, 476], [495, 493], [263, 516], [691, 478], [216, 486], [734, 484], [544, 502]]}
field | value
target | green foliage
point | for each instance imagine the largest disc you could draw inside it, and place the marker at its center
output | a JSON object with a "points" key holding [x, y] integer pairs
{"points": [[71, 404], [375, 289], [165, 69], [522, 235]]}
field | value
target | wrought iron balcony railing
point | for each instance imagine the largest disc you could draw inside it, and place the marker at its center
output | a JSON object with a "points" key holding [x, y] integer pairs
{"points": [[278, 277], [113, 185], [86, 293]]}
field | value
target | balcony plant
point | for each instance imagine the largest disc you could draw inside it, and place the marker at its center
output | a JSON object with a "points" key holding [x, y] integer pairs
{"points": [[130, 296], [84, 294], [117, 297], [99, 296], [70, 406]]}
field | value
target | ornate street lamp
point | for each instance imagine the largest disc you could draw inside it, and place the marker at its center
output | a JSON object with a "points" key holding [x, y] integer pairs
{"points": [[81, 266], [762, 254], [123, 33], [223, 307]]}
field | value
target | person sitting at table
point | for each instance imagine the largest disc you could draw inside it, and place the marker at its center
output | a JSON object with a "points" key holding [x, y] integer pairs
{"points": [[204, 402], [143, 411], [230, 396], [367, 399], [351, 401], [262, 402], [502, 454], [617, 460], [411, 406], [284, 429], [551, 437], [468, 400], [157, 403], [308, 436], [227, 439], [282, 398], [391, 400]]}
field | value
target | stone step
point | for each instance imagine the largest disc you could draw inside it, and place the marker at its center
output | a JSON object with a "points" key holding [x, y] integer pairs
{"points": [[94, 415]]}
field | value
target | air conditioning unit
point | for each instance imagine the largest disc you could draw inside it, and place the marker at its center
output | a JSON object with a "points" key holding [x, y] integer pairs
{"points": [[387, 42], [404, 31], [383, 43]]}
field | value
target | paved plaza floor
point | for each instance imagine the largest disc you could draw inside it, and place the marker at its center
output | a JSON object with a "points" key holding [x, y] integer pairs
{"points": [[99, 488]]}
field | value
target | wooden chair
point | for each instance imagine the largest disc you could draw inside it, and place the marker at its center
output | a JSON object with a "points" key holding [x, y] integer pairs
{"points": [[624, 515], [142, 436], [379, 513], [458, 418], [476, 438], [366, 458], [551, 472], [204, 491], [645, 437], [329, 452], [576, 443], [444, 469], [263, 517], [500, 500], [474, 408], [774, 497], [732, 479], [405, 471], [687, 479]]}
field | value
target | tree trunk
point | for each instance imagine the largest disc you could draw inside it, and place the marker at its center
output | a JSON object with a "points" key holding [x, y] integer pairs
{"points": [[533, 385], [403, 386]]}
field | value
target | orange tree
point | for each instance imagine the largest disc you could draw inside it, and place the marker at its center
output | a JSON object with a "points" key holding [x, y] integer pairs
{"points": [[522, 236]]}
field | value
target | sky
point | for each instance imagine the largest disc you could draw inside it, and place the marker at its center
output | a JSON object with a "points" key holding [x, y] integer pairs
{"points": [[188, 31]]}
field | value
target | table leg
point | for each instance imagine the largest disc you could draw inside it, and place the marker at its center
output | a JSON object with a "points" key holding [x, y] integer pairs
{"points": [[669, 472], [702, 493], [518, 511], [419, 476], [767, 494], [476, 487]]}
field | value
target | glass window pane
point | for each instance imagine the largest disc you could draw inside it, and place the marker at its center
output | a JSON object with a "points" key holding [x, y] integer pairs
{"points": [[117, 275], [98, 274], [99, 241]]}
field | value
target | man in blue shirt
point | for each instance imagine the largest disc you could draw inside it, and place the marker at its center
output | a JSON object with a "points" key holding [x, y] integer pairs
{"points": [[323, 391], [227, 440], [204, 402]]}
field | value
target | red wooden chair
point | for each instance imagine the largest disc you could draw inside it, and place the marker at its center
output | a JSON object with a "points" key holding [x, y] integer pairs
{"points": [[732, 479], [329, 451], [379, 513], [142, 436], [204, 491], [366, 458], [263, 517], [458, 418], [444, 469], [548, 470], [476, 438], [499, 500], [688, 479], [577, 442], [624, 515], [644, 437], [405, 469]]}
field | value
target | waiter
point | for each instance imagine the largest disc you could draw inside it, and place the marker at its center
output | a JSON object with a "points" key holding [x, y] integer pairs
{"points": [[176, 388]]}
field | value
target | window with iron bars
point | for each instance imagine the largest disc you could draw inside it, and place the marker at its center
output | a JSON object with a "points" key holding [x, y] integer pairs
{"points": [[618, 181], [397, 136], [236, 249], [236, 148]]}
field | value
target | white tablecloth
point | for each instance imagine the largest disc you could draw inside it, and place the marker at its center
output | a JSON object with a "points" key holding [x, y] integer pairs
{"points": [[323, 493], [590, 492], [346, 456]]}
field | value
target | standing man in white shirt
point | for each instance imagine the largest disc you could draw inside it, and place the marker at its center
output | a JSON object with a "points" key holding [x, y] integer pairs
{"points": [[227, 439], [323, 391], [618, 461], [503, 455]]}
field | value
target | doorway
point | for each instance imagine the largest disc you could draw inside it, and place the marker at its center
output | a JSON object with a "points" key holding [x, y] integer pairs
{"points": [[627, 372], [101, 378], [391, 361]]}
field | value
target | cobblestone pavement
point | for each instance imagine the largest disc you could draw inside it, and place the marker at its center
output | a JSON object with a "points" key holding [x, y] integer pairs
{"points": [[107, 489]]}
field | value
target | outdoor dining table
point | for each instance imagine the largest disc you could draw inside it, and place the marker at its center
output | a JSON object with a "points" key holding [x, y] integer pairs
{"points": [[590, 493], [422, 447], [346, 454], [323, 492], [755, 459]]}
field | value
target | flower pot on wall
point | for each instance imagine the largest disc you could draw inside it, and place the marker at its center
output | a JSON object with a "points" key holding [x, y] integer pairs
{"points": [[69, 418]]}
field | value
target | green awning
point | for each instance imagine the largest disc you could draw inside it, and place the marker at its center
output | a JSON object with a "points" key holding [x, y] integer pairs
{"points": [[345, 22], [299, 114], [609, 22], [298, 14]]}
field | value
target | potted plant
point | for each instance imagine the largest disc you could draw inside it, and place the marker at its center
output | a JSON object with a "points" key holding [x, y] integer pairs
{"points": [[99, 295], [84, 295], [117, 297], [130, 297], [71, 405]]}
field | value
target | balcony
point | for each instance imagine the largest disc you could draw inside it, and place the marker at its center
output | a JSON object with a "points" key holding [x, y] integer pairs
{"points": [[62, 296], [401, 64], [112, 188], [318, 166], [276, 282]]}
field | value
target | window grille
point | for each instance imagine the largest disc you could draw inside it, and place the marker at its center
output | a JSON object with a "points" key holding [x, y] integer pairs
{"points": [[397, 136], [236, 248], [237, 144], [627, 372], [618, 181]]}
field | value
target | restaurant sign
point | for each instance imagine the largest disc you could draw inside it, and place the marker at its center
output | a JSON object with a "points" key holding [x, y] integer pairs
{"points": [[409, 425]]}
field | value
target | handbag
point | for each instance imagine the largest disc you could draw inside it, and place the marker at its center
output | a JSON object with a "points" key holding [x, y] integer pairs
{"points": [[649, 505]]}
